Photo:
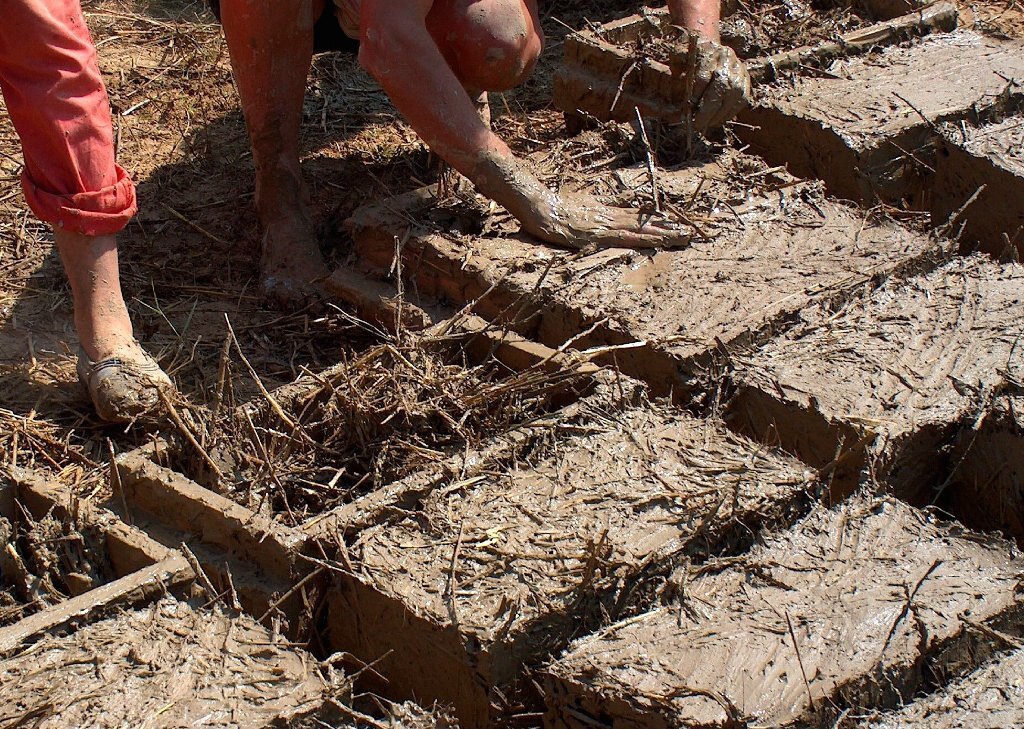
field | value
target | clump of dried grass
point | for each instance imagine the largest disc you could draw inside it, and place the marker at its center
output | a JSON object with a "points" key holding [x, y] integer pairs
{"points": [[45, 561], [755, 30], [32, 442], [373, 418]]}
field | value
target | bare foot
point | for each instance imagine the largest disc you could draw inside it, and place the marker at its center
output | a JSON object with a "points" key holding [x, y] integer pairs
{"points": [[291, 265]]}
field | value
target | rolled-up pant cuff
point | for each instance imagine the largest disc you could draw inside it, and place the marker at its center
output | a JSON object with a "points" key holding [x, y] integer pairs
{"points": [[99, 212]]}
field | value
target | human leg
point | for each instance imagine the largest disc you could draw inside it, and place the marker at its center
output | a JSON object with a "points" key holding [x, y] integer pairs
{"points": [[271, 47], [101, 317], [55, 96]]}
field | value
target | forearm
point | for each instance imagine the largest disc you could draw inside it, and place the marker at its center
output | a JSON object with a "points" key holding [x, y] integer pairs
{"points": [[700, 16], [450, 124], [410, 68]]}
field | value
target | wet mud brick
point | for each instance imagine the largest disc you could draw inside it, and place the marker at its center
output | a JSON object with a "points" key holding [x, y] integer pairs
{"points": [[855, 607], [867, 126], [990, 698], [992, 156], [170, 664], [601, 78], [489, 575], [604, 76], [766, 256], [889, 381]]}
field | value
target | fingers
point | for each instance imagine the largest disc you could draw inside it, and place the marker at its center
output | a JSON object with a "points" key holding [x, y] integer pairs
{"points": [[721, 84], [726, 94], [624, 230]]}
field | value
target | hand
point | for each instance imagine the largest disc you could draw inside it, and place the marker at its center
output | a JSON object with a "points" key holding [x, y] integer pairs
{"points": [[721, 84], [578, 220], [572, 220]]}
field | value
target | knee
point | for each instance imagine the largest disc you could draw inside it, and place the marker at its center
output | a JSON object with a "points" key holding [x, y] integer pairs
{"points": [[492, 45]]}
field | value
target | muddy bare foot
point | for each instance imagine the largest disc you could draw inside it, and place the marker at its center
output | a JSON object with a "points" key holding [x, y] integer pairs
{"points": [[291, 265]]}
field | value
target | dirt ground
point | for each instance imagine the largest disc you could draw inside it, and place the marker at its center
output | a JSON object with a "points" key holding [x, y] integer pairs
{"points": [[189, 265], [190, 258]]}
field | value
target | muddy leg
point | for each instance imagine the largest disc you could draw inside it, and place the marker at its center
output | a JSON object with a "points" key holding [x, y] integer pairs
{"points": [[271, 46], [101, 318]]}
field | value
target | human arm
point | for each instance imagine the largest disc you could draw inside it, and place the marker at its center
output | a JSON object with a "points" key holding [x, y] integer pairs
{"points": [[722, 84], [700, 16], [399, 51]]}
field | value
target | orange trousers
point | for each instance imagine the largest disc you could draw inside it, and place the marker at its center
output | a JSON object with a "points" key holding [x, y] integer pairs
{"points": [[55, 97]]}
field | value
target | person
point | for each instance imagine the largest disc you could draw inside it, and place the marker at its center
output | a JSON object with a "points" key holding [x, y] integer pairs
{"points": [[434, 59], [56, 100]]}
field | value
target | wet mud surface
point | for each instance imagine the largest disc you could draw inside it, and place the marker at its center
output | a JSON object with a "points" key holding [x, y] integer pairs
{"points": [[864, 125], [867, 591], [982, 167], [758, 256], [171, 664], [584, 528], [986, 486], [990, 698], [750, 32], [892, 378]]}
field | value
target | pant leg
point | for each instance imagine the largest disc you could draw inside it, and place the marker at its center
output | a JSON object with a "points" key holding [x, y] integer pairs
{"points": [[56, 99]]}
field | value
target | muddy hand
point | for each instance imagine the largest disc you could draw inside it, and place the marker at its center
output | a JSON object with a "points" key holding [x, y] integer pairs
{"points": [[571, 220], [580, 221], [721, 83]]}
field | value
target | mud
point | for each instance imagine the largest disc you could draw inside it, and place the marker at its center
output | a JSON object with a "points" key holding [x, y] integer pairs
{"points": [[865, 125], [989, 159], [609, 70], [171, 664], [785, 26], [856, 607], [750, 33], [889, 381], [765, 246], [990, 698], [491, 573]]}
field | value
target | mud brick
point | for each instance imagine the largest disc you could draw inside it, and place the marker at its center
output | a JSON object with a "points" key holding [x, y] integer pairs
{"points": [[170, 664], [605, 76], [85, 552], [764, 257], [990, 698], [971, 157], [889, 381], [602, 78], [867, 126], [492, 573], [986, 487], [180, 504], [854, 607]]}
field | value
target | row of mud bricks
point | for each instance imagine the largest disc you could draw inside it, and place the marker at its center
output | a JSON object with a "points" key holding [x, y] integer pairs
{"points": [[784, 488]]}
